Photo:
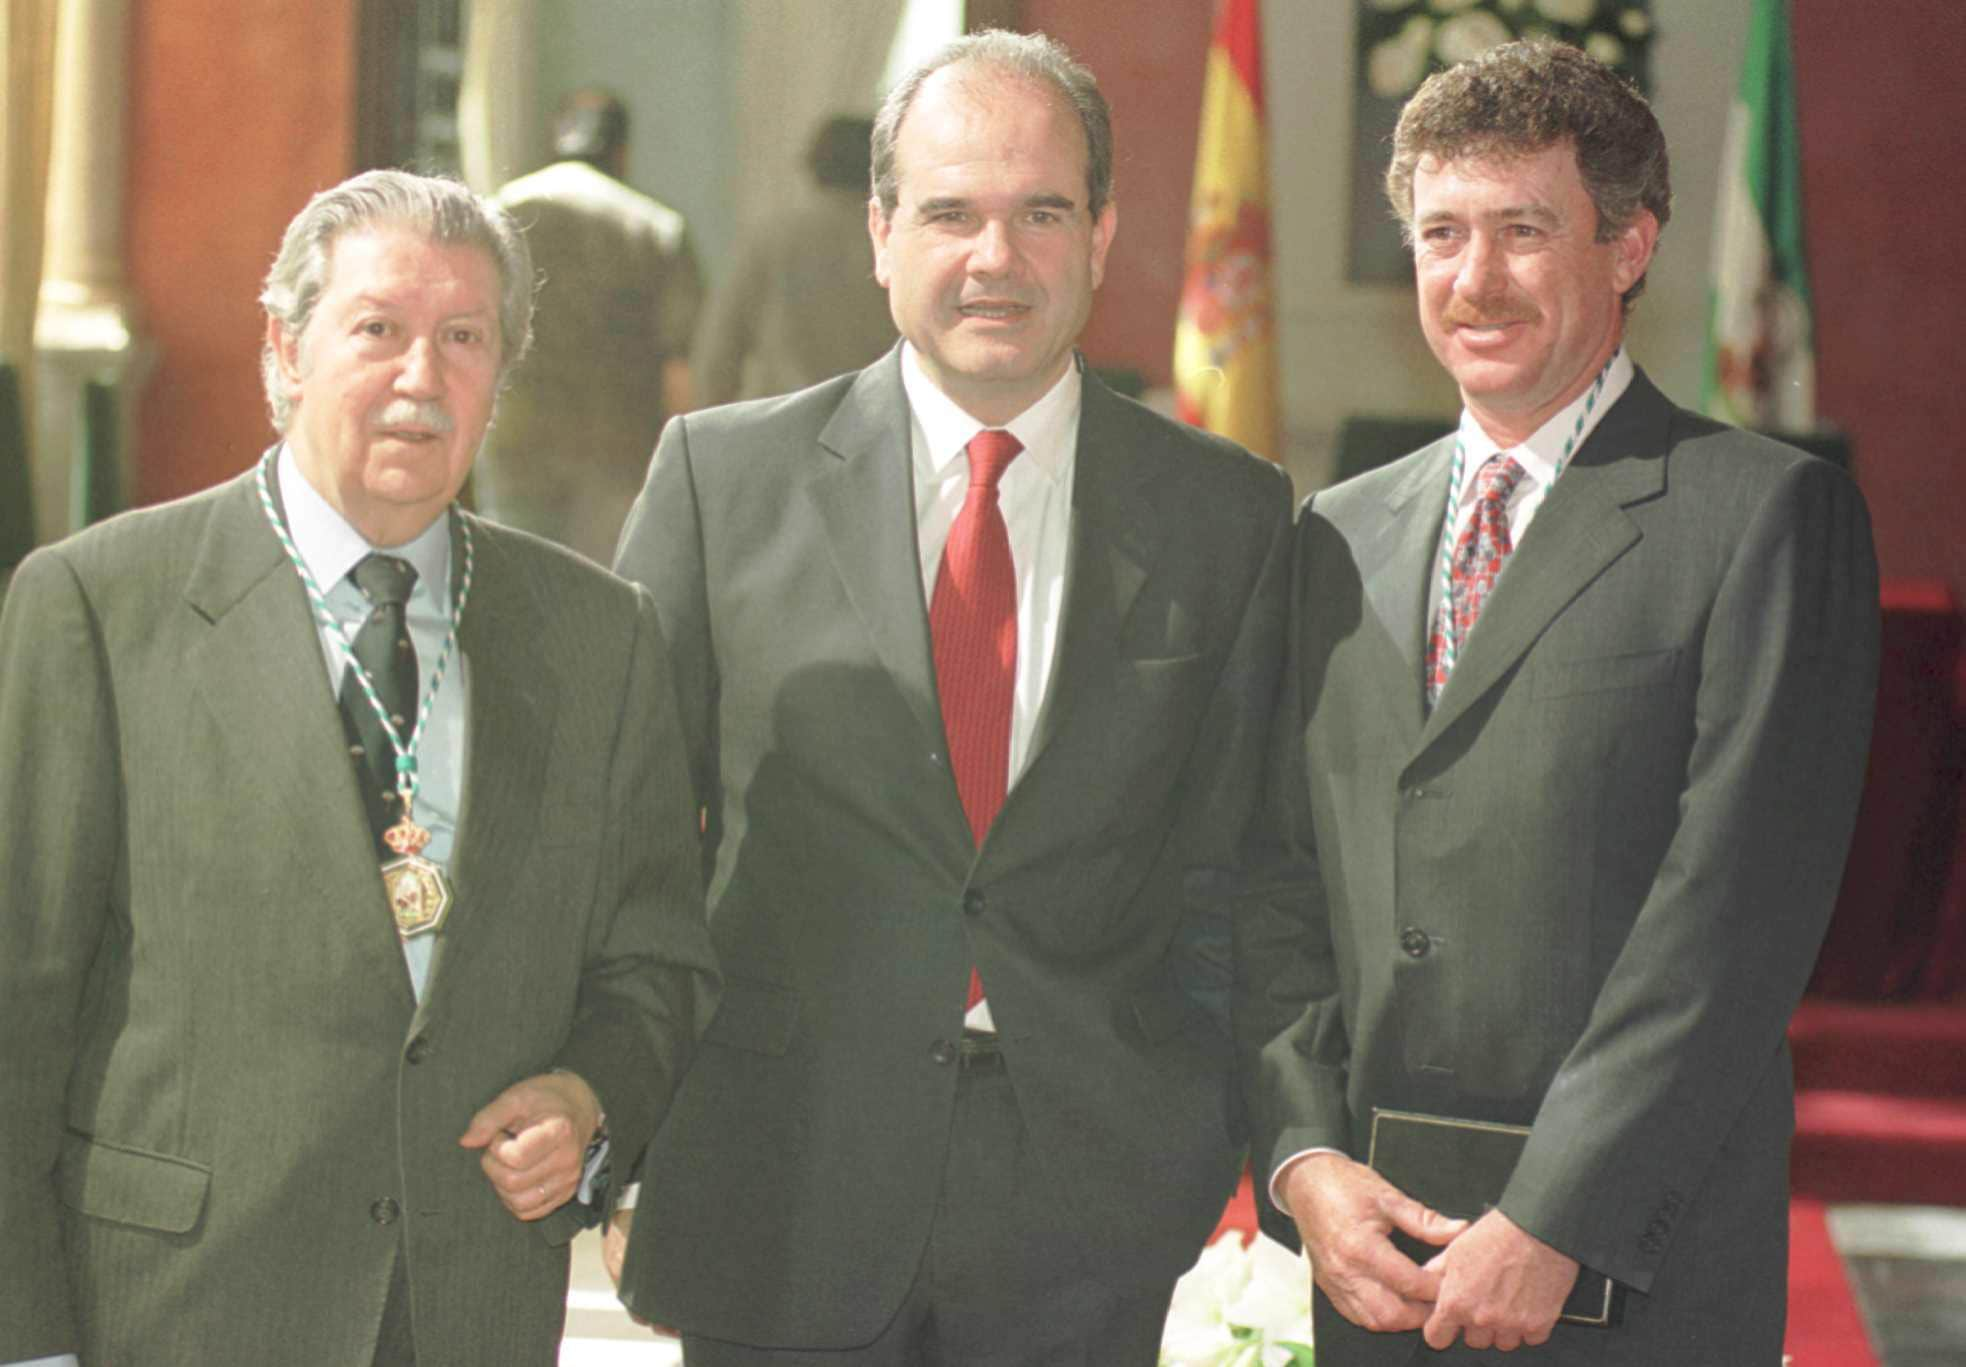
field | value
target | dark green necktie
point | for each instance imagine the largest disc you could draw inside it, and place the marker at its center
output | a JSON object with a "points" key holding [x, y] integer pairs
{"points": [[383, 648]]}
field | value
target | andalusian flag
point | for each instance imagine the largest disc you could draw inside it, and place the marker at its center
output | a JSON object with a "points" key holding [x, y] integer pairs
{"points": [[1761, 360], [1225, 339]]}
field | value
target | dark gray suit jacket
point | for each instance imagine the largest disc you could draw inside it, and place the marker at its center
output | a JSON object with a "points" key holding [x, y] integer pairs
{"points": [[790, 1194], [1585, 892], [221, 1107]]}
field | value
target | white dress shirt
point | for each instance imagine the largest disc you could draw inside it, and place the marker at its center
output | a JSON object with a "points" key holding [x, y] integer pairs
{"points": [[1540, 456], [1036, 498]]}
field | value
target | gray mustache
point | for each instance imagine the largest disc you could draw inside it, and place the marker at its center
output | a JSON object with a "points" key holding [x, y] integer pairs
{"points": [[427, 414]]}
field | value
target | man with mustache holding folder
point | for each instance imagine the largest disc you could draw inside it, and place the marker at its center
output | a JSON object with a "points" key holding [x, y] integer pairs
{"points": [[1566, 764]]}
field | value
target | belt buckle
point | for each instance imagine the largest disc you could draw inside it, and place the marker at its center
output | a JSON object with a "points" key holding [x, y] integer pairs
{"points": [[979, 1051]]}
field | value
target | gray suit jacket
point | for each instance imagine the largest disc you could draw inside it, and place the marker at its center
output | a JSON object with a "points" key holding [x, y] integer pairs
{"points": [[1585, 892], [790, 1193], [223, 1111]]}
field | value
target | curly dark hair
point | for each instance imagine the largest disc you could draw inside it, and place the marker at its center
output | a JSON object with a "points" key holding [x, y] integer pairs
{"points": [[1522, 97]]}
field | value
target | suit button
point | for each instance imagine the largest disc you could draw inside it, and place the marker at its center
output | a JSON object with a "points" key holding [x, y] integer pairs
{"points": [[385, 1211], [944, 1052], [419, 1049], [1415, 942], [974, 902]]}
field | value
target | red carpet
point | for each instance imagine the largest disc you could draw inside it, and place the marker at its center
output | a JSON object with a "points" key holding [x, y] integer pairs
{"points": [[1825, 1329]]}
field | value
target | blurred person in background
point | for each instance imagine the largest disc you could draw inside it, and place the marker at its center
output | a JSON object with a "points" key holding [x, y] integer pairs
{"points": [[618, 299], [802, 305]]}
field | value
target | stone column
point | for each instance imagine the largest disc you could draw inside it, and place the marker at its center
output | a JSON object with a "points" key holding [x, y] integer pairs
{"points": [[86, 328], [501, 128]]}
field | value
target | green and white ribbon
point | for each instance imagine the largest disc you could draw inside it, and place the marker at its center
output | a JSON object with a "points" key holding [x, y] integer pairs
{"points": [[407, 780], [1457, 475]]}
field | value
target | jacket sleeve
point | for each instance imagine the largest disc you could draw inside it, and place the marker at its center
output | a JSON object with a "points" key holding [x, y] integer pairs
{"points": [[60, 855], [1292, 1047], [1694, 1009], [650, 984]]}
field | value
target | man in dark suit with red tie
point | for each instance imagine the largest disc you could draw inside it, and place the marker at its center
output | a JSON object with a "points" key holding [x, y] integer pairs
{"points": [[974, 658]]}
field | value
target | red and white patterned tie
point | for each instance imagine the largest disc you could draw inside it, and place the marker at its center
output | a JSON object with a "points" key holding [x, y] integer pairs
{"points": [[973, 621], [1479, 554]]}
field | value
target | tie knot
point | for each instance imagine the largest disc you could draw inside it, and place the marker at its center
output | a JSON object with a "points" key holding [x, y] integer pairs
{"points": [[384, 579], [990, 453], [1495, 481]]}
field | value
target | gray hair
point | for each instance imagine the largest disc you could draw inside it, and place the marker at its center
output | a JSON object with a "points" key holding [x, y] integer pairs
{"points": [[1026, 56], [443, 210]]}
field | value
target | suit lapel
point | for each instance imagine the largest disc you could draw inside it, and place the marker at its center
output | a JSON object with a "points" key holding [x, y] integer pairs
{"points": [[1581, 528], [259, 670], [865, 496], [1113, 537], [1395, 560], [514, 697]]}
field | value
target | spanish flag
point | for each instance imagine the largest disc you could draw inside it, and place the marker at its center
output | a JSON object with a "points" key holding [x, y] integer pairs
{"points": [[1225, 338]]}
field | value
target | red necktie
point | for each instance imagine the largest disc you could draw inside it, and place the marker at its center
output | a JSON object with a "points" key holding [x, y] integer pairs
{"points": [[1484, 545], [973, 620]]}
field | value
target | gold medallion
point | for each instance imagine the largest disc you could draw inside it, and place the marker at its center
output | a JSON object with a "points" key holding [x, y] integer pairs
{"points": [[419, 894]]}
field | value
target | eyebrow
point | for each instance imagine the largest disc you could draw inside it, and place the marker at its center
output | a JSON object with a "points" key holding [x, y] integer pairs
{"points": [[1044, 199], [368, 299], [1535, 213]]}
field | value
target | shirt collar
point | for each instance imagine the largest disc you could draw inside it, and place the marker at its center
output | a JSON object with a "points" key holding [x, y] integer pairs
{"points": [[1542, 453], [1047, 429], [330, 548]]}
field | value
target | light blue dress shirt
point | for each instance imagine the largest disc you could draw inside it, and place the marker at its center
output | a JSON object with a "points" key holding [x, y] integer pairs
{"points": [[331, 548]]}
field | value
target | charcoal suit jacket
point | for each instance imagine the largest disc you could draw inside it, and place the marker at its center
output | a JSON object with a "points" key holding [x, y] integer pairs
{"points": [[1582, 894], [223, 1111], [792, 1189]]}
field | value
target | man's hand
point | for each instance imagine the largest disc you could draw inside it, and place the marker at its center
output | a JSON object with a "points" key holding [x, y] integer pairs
{"points": [[534, 1134], [1345, 1213], [614, 1244], [1500, 1287]]}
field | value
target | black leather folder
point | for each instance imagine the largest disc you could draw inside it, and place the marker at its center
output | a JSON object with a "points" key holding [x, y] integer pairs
{"points": [[1460, 1167]]}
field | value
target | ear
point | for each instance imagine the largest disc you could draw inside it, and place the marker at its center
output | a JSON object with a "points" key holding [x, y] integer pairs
{"points": [[286, 355], [878, 228], [1103, 228], [1634, 247]]}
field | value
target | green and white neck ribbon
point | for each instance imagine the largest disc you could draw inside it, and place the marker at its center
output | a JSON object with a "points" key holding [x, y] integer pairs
{"points": [[1457, 476], [407, 780]]}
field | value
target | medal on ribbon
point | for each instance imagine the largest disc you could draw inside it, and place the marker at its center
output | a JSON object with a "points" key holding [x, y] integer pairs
{"points": [[417, 889], [419, 894]]}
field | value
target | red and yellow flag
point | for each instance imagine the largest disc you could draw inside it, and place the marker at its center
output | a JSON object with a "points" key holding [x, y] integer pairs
{"points": [[1225, 339]]}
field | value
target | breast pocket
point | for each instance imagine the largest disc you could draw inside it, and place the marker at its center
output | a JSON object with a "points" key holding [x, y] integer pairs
{"points": [[1628, 672]]}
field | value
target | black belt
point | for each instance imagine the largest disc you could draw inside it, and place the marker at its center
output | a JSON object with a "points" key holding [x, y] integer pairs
{"points": [[978, 1051]]}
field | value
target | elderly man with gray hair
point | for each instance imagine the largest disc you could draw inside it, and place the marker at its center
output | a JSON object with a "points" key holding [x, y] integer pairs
{"points": [[351, 907]]}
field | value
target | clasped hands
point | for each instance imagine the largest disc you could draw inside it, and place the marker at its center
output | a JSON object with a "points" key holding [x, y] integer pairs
{"points": [[1493, 1284], [534, 1135]]}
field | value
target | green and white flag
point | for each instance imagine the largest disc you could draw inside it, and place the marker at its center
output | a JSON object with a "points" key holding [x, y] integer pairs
{"points": [[1761, 357]]}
